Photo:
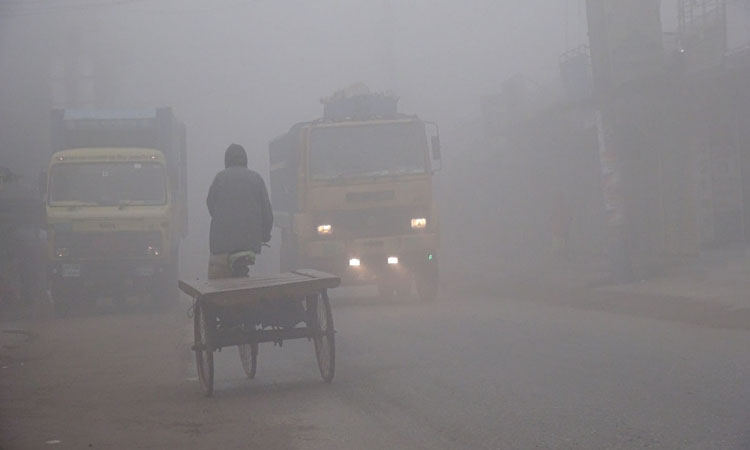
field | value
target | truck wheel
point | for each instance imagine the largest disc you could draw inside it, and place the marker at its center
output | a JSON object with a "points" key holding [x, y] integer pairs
{"points": [[120, 302], [427, 283], [287, 253], [402, 288], [167, 294], [61, 302], [386, 291], [10, 287], [427, 288]]}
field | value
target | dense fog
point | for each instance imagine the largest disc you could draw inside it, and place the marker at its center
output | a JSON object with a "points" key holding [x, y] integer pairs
{"points": [[245, 71], [564, 265]]}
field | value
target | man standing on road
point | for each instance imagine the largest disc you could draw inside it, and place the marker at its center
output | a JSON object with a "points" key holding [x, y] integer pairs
{"points": [[241, 216]]}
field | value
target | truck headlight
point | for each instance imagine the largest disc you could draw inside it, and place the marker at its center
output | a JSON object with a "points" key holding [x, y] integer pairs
{"points": [[419, 223], [392, 260], [325, 230], [354, 262]]}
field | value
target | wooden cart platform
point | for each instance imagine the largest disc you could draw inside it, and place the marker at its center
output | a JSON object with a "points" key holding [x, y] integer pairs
{"points": [[249, 290], [230, 311]]}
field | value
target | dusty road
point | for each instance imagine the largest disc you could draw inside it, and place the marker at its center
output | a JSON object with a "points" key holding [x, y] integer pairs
{"points": [[469, 373]]}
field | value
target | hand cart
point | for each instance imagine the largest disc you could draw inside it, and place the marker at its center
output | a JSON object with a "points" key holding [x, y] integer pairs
{"points": [[245, 312]]}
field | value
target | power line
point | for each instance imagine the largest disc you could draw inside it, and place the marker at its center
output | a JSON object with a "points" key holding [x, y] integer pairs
{"points": [[63, 6], [214, 7], [35, 7]]}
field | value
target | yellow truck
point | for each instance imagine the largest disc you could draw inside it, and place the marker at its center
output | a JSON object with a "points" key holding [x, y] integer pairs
{"points": [[353, 195], [116, 205]]}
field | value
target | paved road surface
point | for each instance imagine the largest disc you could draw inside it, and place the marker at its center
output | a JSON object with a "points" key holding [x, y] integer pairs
{"points": [[465, 373]]}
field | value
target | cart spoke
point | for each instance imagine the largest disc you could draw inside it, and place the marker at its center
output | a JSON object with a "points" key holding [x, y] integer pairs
{"points": [[249, 358], [324, 337], [232, 312], [204, 357]]}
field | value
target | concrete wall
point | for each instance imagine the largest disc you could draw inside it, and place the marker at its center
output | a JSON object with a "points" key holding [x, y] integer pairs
{"points": [[543, 170], [659, 171]]}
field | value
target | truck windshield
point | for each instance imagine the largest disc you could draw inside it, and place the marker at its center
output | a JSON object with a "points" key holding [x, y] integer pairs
{"points": [[108, 184], [367, 150]]}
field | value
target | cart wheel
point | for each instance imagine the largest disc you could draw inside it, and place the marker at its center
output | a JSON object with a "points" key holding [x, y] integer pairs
{"points": [[204, 355], [325, 349], [386, 291], [249, 358]]}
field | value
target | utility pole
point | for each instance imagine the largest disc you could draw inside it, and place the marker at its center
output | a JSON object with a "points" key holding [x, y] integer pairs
{"points": [[81, 74], [389, 32], [625, 39], [610, 164]]}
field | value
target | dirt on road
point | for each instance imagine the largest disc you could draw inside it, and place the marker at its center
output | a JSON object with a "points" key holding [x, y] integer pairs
{"points": [[110, 382], [552, 369]]}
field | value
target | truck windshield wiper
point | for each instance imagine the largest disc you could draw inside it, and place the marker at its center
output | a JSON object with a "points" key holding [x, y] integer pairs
{"points": [[369, 173], [123, 203], [72, 203]]}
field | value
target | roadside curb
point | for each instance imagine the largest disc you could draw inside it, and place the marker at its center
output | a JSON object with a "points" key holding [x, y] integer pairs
{"points": [[12, 340], [597, 294]]}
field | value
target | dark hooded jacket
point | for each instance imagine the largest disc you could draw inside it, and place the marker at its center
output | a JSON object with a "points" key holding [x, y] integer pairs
{"points": [[241, 216]]}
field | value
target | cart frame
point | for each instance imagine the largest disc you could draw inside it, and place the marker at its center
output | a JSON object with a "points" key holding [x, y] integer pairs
{"points": [[241, 299]]}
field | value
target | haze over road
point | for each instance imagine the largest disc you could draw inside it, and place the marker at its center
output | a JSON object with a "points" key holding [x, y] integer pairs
{"points": [[472, 372]]}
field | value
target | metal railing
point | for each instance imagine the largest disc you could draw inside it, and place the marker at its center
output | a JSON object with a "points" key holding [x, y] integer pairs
{"points": [[697, 15]]}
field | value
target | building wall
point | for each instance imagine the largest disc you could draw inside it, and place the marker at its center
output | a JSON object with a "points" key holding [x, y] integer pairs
{"points": [[738, 24], [716, 130], [545, 184]]}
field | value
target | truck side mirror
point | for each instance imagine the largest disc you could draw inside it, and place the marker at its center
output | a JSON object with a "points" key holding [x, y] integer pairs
{"points": [[42, 183], [436, 148]]}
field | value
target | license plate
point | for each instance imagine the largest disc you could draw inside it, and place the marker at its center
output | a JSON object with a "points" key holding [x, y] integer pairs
{"points": [[71, 270], [144, 271]]}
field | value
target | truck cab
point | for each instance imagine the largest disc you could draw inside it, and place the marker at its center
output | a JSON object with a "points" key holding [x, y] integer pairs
{"points": [[116, 206], [353, 195]]}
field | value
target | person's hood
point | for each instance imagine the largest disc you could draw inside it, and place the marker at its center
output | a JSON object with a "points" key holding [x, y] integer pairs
{"points": [[235, 156]]}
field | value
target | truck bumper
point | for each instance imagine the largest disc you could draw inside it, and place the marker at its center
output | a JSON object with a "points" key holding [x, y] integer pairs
{"points": [[130, 277], [368, 260]]}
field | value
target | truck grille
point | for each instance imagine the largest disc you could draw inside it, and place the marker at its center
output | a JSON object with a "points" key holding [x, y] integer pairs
{"points": [[375, 222], [107, 245]]}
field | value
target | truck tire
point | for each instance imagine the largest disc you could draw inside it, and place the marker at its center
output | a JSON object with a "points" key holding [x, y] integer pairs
{"points": [[61, 301], [427, 288], [391, 287], [10, 286], [167, 294], [386, 291], [287, 253], [402, 287], [427, 281]]}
